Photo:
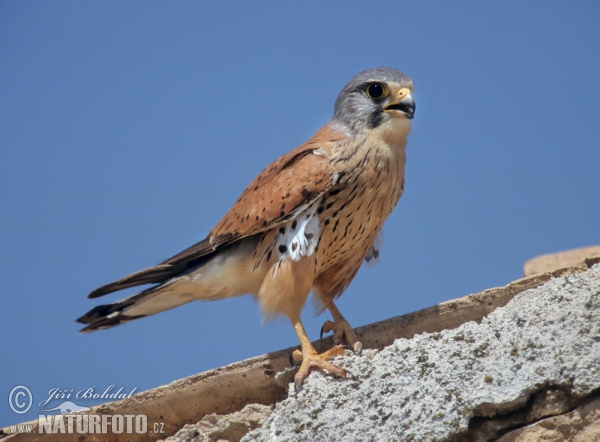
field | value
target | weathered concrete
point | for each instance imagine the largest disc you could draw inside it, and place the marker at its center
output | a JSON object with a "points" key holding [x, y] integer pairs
{"points": [[254, 380], [580, 425], [554, 261], [234, 386], [537, 356], [231, 427]]}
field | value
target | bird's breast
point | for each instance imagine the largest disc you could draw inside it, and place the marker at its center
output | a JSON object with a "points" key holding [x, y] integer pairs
{"points": [[371, 181]]}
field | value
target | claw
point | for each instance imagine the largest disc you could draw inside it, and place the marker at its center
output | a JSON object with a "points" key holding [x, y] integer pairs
{"points": [[319, 361], [342, 333], [358, 348], [327, 327], [297, 386], [296, 358]]}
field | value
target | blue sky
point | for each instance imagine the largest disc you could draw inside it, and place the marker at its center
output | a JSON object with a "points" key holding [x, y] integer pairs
{"points": [[127, 129]]}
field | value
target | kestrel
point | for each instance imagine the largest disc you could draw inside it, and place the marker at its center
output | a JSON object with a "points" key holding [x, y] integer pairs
{"points": [[305, 223]]}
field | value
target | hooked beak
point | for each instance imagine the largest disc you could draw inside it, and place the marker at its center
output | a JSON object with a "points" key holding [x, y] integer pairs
{"points": [[404, 104]]}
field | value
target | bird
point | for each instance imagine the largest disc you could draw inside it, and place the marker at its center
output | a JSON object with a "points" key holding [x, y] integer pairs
{"points": [[305, 224]]}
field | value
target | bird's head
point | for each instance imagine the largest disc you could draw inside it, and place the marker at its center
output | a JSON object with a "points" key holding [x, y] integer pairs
{"points": [[375, 98]]}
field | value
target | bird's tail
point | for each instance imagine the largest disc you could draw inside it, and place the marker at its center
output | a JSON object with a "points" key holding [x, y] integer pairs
{"points": [[149, 302], [225, 274]]}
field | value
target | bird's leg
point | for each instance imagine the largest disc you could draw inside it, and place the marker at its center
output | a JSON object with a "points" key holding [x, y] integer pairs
{"points": [[342, 332], [310, 358]]}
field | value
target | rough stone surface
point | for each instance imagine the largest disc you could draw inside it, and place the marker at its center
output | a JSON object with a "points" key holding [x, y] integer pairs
{"points": [[555, 261], [260, 380], [228, 428], [580, 425], [538, 355]]}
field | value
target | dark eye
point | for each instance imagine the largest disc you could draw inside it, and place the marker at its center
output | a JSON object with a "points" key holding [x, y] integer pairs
{"points": [[376, 91]]}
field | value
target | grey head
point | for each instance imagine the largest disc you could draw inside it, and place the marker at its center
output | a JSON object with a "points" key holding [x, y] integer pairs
{"points": [[373, 97]]}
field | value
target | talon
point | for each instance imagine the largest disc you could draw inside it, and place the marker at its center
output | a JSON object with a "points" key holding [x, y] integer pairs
{"points": [[310, 358], [320, 361], [327, 327], [342, 333], [358, 348], [296, 358]]}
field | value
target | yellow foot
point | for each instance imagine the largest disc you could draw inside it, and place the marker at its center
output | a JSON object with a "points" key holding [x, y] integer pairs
{"points": [[320, 361], [342, 333]]}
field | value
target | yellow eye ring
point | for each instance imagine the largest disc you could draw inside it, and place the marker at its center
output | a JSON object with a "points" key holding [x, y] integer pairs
{"points": [[376, 91]]}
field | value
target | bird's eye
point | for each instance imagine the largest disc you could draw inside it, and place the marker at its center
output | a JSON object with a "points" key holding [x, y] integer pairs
{"points": [[376, 91]]}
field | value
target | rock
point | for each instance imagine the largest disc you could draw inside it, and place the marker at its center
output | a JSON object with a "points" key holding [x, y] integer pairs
{"points": [[537, 356], [581, 424], [228, 428], [264, 379], [562, 260], [464, 370]]}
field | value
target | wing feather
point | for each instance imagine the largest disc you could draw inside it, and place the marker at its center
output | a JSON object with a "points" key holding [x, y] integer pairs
{"points": [[296, 179]]}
